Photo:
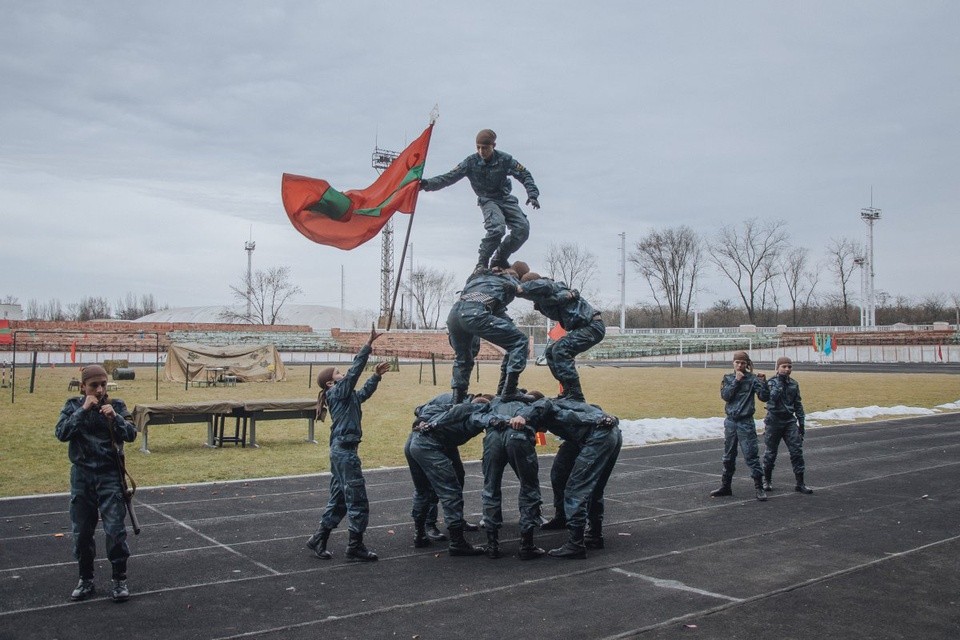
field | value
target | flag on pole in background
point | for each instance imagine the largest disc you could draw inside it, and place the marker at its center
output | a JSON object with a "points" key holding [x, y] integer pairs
{"points": [[6, 337], [73, 351], [940, 351], [348, 219]]}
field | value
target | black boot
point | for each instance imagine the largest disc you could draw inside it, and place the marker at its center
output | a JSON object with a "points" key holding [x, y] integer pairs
{"points": [[593, 538], [119, 592], [556, 523], [725, 481], [528, 550], [459, 545], [573, 548], [420, 539], [435, 534], [510, 392], [767, 477], [572, 391], [469, 527], [499, 260], [357, 551], [502, 382], [318, 543], [802, 488], [459, 395], [758, 483], [85, 589], [493, 544]]}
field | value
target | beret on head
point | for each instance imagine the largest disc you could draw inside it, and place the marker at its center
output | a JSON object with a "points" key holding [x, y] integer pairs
{"points": [[741, 355], [784, 360], [486, 136], [92, 371], [530, 275], [521, 267], [325, 376]]}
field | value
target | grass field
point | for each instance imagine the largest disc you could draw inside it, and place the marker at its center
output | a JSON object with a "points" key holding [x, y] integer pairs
{"points": [[33, 461]]}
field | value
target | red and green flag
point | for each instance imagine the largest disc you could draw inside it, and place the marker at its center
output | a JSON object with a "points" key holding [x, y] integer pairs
{"points": [[6, 336], [348, 219]]}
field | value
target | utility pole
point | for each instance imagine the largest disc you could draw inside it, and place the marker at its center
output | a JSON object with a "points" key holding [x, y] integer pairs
{"points": [[623, 280], [249, 246], [870, 215]]}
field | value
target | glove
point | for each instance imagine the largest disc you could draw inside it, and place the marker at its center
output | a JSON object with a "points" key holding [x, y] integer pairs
{"points": [[801, 429], [423, 184], [608, 422], [533, 203], [499, 424]]}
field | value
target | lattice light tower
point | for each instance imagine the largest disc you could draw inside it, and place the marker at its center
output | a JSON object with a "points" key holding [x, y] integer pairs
{"points": [[870, 215], [381, 160]]}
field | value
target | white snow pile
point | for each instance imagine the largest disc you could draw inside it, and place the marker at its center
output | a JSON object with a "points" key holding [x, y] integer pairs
{"points": [[649, 430], [856, 413]]}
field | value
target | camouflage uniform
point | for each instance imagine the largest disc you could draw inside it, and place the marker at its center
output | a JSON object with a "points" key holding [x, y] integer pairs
{"points": [[95, 486], [581, 321], [481, 313], [739, 427], [784, 421], [348, 491], [490, 180], [434, 472], [503, 446]]}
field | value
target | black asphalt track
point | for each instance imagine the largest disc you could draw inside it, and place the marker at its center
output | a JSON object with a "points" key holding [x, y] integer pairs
{"points": [[873, 553]]}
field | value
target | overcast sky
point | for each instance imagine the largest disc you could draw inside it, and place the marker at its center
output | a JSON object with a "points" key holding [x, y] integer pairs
{"points": [[141, 142]]}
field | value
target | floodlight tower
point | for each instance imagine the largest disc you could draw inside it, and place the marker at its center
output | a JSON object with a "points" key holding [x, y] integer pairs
{"points": [[870, 215], [249, 246], [860, 262], [381, 160]]}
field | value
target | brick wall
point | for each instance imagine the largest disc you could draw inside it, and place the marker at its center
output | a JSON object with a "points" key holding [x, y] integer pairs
{"points": [[411, 345]]}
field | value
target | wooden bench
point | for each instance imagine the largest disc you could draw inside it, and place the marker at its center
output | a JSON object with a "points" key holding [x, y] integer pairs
{"points": [[214, 414]]}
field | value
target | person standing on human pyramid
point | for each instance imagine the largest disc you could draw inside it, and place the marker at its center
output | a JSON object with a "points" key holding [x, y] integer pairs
{"points": [[489, 172], [348, 490]]}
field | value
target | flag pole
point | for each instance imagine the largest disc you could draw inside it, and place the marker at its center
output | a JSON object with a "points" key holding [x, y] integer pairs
{"points": [[434, 114], [403, 258]]}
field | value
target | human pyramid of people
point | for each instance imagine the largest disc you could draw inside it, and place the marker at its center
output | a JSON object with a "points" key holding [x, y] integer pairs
{"points": [[96, 427]]}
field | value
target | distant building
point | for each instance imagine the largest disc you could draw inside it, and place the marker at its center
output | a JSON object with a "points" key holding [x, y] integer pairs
{"points": [[11, 312]]}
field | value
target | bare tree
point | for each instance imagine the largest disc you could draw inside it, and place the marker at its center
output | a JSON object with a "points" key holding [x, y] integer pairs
{"points": [[51, 310], [264, 293], [90, 308], [747, 257], [955, 299], [429, 288], [670, 261], [842, 254], [799, 281], [131, 308], [570, 263], [8, 299]]}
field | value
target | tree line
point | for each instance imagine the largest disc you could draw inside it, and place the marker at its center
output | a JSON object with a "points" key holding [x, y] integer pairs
{"points": [[775, 282], [129, 307]]}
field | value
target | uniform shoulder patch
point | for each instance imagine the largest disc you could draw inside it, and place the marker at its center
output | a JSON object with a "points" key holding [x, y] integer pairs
{"points": [[520, 167]]}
